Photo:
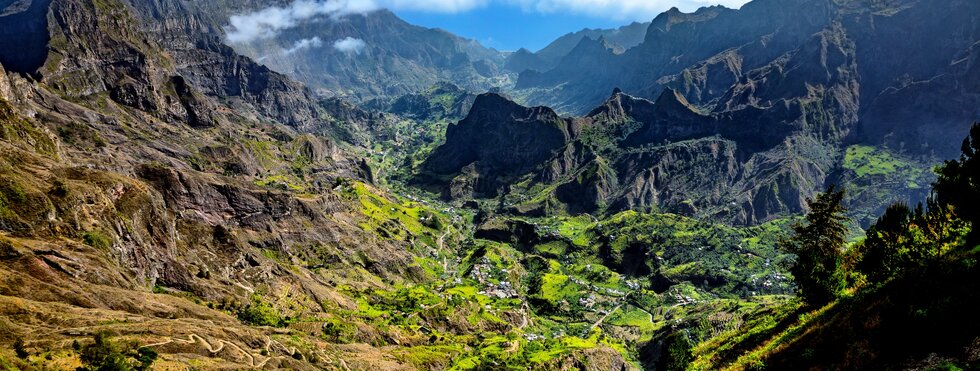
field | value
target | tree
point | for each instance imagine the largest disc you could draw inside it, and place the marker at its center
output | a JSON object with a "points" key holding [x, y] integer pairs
{"points": [[677, 354], [261, 313], [819, 245], [882, 249], [958, 184], [103, 355], [903, 240]]}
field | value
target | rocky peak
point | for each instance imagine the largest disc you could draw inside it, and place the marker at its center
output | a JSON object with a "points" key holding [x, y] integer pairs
{"points": [[590, 46], [674, 16], [499, 140], [621, 107]]}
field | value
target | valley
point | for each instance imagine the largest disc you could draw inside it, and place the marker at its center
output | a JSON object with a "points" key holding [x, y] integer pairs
{"points": [[177, 193]]}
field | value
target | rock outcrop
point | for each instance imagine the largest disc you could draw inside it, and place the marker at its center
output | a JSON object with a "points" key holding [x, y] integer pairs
{"points": [[496, 143]]}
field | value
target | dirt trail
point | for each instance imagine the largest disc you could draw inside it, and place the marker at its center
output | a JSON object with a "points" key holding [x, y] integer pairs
{"points": [[195, 338], [599, 322]]}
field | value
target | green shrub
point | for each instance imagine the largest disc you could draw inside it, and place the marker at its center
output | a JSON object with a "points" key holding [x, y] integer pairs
{"points": [[677, 353], [958, 185], [97, 240], [260, 313], [59, 188], [7, 249]]}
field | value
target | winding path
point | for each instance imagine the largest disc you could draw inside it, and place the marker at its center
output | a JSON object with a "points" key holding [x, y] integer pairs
{"points": [[195, 338]]}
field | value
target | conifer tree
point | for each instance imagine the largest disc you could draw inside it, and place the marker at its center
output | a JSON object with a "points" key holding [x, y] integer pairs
{"points": [[818, 244]]}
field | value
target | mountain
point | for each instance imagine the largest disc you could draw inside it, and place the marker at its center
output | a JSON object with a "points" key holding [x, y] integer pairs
{"points": [[392, 57], [440, 101], [620, 39], [869, 54], [633, 154], [740, 115]]}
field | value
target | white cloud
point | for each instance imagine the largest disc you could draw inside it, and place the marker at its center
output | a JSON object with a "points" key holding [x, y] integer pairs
{"points": [[637, 10], [435, 6], [303, 44], [266, 23], [350, 45]]}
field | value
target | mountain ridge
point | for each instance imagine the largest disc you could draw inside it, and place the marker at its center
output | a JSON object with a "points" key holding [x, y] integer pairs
{"points": [[620, 39], [397, 58], [741, 54]]}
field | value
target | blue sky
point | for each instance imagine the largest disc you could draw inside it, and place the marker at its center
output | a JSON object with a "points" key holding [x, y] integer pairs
{"points": [[532, 24], [506, 28], [502, 24]]}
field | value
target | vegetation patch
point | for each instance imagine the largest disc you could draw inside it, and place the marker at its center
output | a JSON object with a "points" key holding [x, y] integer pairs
{"points": [[870, 161]]}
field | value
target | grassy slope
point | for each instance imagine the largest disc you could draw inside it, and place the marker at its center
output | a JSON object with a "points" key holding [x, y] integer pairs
{"points": [[895, 326]]}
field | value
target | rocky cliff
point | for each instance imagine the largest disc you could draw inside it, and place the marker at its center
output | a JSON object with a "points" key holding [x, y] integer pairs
{"points": [[769, 105], [154, 184], [745, 167], [496, 143]]}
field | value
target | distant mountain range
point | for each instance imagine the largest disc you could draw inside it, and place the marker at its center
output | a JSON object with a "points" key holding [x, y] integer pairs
{"points": [[878, 62], [618, 40], [391, 58]]}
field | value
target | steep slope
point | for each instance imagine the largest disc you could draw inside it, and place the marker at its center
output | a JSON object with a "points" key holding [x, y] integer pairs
{"points": [[133, 201], [193, 33], [197, 230], [907, 303], [758, 108], [194, 44], [440, 101]]}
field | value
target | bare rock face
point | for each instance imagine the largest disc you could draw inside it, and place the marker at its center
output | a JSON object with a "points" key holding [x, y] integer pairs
{"points": [[164, 57], [500, 140], [744, 167]]}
